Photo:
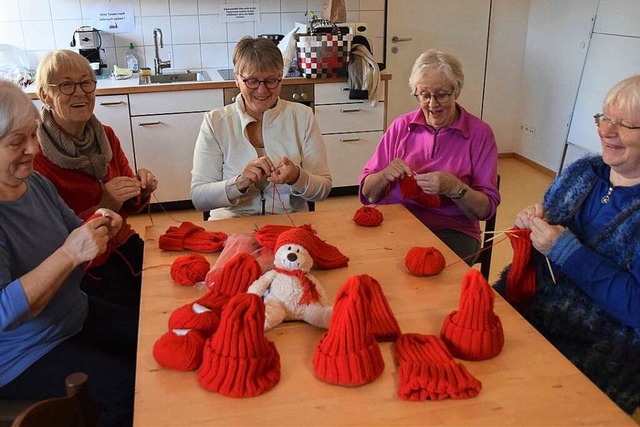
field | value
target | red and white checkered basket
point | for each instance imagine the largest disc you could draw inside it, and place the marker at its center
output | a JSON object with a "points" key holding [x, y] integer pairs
{"points": [[323, 55]]}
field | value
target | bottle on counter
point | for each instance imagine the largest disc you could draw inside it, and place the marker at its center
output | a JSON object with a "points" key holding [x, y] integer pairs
{"points": [[131, 58]]}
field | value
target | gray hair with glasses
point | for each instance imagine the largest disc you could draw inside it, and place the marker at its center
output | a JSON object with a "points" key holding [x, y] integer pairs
{"points": [[16, 109], [625, 95], [59, 61], [257, 55], [434, 60]]}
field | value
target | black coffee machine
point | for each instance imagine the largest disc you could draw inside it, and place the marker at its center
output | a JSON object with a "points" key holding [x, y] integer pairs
{"points": [[89, 41]]}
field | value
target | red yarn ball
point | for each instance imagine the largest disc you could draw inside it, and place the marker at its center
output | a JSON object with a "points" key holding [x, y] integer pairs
{"points": [[179, 349], [195, 316], [189, 269], [368, 216], [424, 261]]}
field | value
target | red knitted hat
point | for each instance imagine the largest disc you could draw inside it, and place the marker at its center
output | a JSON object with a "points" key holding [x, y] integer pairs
{"points": [[195, 316], [382, 323], [173, 238], [179, 349], [424, 261], [268, 234], [348, 353], [238, 361], [426, 370], [521, 278], [205, 241], [474, 332], [324, 255]]}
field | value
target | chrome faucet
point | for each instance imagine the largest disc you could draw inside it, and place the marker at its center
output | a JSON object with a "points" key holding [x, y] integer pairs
{"points": [[158, 64]]}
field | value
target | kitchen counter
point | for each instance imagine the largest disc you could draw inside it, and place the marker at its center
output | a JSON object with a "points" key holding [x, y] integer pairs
{"points": [[108, 86]]}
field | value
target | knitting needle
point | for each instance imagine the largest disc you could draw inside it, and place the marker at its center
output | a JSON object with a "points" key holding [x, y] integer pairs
{"points": [[553, 277], [500, 231], [500, 235]]}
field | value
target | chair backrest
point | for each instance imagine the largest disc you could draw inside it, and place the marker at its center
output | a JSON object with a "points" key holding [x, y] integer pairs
{"points": [[74, 410], [484, 259]]}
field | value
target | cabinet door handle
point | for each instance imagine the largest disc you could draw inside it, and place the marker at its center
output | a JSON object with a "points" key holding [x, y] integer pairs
{"points": [[345, 89], [349, 139], [349, 110], [150, 123], [396, 39], [112, 103]]}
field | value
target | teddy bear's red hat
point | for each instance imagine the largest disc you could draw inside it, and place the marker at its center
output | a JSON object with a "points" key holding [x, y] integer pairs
{"points": [[324, 255]]}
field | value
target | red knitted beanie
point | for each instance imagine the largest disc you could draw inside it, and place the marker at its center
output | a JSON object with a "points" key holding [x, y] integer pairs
{"points": [[348, 353], [189, 269], [173, 238], [368, 216], [424, 261], [179, 349], [195, 316], [233, 278], [411, 191], [205, 241], [521, 278], [426, 370], [324, 255], [267, 235], [238, 361], [382, 323], [473, 332]]}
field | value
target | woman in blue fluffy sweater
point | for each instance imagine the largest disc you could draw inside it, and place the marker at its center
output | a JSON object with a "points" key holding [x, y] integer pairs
{"points": [[589, 227]]}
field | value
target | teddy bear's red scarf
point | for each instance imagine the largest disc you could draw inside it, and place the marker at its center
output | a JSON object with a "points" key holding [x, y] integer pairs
{"points": [[309, 292]]}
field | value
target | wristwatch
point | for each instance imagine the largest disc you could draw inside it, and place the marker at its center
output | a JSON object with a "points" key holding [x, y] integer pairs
{"points": [[461, 193]]}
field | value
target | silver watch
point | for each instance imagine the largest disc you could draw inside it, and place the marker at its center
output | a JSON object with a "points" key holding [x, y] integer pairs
{"points": [[461, 193]]}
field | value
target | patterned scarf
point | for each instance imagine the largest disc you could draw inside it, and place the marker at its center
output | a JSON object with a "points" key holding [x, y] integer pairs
{"points": [[309, 291], [91, 153]]}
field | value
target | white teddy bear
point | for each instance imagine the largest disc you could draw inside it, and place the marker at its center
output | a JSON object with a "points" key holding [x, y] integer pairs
{"points": [[290, 292]]}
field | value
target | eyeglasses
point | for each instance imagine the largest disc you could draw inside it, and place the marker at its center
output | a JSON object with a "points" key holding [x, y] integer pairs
{"points": [[440, 97], [69, 88], [601, 118], [255, 83]]}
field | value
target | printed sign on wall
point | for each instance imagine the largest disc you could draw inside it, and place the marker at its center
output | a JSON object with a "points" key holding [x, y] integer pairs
{"points": [[112, 17], [240, 12]]}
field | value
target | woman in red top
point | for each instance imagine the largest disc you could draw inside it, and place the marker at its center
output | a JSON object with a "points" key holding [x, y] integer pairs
{"points": [[84, 160]]}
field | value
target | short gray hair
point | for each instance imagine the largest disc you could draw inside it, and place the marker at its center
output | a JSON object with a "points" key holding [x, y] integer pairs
{"points": [[625, 95], [56, 61], [433, 60], [257, 54], [16, 109]]}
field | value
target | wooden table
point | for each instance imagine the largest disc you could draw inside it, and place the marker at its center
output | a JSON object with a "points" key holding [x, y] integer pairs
{"points": [[528, 383]]}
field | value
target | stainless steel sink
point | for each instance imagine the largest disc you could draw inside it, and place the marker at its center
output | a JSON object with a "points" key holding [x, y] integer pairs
{"points": [[188, 76]]}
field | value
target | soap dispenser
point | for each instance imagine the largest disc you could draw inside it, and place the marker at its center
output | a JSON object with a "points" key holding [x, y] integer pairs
{"points": [[131, 58]]}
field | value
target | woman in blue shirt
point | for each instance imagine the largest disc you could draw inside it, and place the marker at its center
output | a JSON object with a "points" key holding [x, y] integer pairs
{"points": [[49, 328], [589, 228]]}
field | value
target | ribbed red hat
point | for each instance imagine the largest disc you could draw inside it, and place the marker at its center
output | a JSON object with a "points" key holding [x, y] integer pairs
{"points": [[474, 332], [179, 349], [348, 353], [324, 255], [383, 324], [238, 361], [267, 235], [173, 238], [521, 277], [233, 278], [426, 370], [195, 316], [205, 241]]}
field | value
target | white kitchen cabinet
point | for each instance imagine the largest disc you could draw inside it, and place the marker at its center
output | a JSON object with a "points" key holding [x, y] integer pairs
{"points": [[164, 142], [351, 130], [113, 110]]}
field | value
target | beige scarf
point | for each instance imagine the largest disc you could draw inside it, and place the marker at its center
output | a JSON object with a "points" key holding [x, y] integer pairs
{"points": [[91, 153]]}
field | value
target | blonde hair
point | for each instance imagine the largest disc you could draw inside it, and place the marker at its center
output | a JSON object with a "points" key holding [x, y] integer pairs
{"points": [[256, 54], [434, 60], [59, 61], [16, 109], [625, 95]]}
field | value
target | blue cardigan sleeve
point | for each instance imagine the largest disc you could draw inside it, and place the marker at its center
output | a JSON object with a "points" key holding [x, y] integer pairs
{"points": [[615, 290]]}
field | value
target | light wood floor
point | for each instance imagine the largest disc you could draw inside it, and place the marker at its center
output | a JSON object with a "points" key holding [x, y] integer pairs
{"points": [[521, 185]]}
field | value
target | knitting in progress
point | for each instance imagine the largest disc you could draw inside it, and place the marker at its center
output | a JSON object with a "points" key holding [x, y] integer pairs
{"points": [[368, 216], [411, 191], [189, 236], [424, 261], [521, 278], [427, 371], [473, 332]]}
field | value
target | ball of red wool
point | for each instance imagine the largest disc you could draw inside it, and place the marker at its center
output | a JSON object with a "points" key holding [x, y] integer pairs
{"points": [[368, 216], [424, 261], [189, 269], [181, 350]]}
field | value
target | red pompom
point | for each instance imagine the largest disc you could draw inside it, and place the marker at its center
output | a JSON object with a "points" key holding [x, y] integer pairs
{"points": [[368, 216], [179, 349], [424, 261], [189, 269]]}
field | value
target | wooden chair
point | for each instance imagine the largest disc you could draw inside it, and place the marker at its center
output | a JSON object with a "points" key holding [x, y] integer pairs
{"points": [[75, 410], [484, 259]]}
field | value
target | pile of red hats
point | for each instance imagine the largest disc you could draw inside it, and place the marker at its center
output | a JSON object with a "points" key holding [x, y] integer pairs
{"points": [[191, 237]]}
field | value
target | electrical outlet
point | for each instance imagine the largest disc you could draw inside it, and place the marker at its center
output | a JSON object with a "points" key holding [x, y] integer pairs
{"points": [[528, 130]]}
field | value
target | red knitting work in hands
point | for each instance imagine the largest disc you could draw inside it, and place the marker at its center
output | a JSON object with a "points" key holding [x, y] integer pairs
{"points": [[521, 278], [411, 191], [102, 258], [426, 370]]}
